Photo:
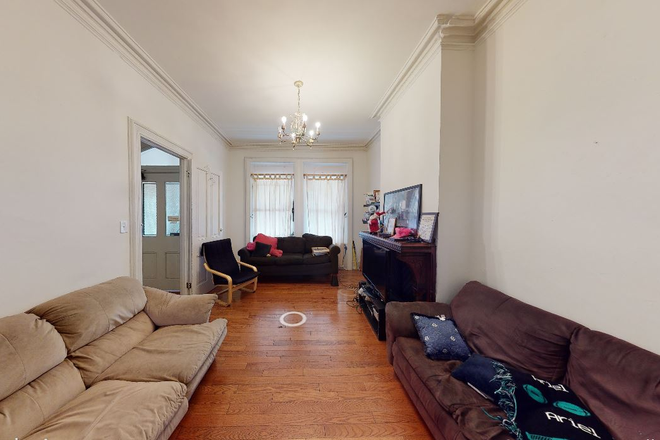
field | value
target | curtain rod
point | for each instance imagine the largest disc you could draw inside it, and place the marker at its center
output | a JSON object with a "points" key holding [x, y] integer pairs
{"points": [[271, 176], [325, 176]]}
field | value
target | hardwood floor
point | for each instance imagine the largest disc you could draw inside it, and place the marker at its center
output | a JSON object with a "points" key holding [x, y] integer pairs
{"points": [[328, 378]]}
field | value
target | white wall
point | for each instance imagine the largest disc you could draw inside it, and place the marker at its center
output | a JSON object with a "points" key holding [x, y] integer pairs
{"points": [[373, 161], [455, 180], [236, 195], [410, 137], [567, 169], [66, 98], [426, 138]]}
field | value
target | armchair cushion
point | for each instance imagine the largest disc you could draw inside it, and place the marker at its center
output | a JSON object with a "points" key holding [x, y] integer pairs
{"points": [[241, 277], [166, 308], [220, 257]]}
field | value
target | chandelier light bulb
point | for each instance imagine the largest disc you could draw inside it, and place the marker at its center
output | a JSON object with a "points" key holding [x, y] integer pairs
{"points": [[298, 126]]}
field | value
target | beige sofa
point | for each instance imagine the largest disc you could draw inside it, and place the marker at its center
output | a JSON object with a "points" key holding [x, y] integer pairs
{"points": [[112, 361]]}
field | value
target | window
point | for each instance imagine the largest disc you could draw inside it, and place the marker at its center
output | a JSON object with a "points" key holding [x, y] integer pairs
{"points": [[149, 210], [172, 211], [271, 205], [325, 207]]}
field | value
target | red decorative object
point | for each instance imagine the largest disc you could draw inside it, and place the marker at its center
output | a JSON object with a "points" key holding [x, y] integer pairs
{"points": [[272, 241], [374, 221]]}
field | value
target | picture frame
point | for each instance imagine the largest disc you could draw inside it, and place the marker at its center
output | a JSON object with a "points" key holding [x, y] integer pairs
{"points": [[427, 225], [377, 195], [405, 205], [390, 226]]}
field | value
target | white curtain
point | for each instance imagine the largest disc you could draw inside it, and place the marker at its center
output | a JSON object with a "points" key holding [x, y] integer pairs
{"points": [[325, 207], [272, 205]]}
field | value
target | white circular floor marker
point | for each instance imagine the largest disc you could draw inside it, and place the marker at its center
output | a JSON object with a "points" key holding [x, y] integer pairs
{"points": [[284, 323]]}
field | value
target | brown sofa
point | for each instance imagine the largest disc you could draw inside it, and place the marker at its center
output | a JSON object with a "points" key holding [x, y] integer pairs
{"points": [[297, 258], [115, 360], [617, 380]]}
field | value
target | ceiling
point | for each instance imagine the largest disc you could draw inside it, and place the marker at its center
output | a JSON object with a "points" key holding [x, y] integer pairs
{"points": [[238, 59]]}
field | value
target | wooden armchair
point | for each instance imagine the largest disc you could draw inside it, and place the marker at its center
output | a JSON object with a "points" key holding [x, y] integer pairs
{"points": [[234, 275]]}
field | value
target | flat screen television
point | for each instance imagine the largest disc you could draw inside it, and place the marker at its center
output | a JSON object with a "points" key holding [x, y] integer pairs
{"points": [[374, 266], [405, 205]]}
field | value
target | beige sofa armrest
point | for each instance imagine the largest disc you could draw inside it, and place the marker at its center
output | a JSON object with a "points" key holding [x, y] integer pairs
{"points": [[166, 308]]}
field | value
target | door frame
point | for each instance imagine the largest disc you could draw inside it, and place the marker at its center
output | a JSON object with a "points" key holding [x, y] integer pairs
{"points": [[137, 133]]}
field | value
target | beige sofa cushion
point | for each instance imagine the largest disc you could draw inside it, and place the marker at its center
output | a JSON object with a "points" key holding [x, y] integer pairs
{"points": [[170, 353], [29, 347], [115, 410], [95, 357], [166, 308], [87, 314], [30, 406]]}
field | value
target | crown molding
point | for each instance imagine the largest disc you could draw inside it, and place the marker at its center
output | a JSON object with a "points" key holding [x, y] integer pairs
{"points": [[492, 15], [427, 47], [276, 146], [97, 20], [447, 32], [373, 139]]}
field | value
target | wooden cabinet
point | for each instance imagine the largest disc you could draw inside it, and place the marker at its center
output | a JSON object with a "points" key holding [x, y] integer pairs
{"points": [[405, 271]]}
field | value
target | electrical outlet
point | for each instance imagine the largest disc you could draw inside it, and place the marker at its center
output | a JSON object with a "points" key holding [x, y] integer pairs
{"points": [[123, 227]]}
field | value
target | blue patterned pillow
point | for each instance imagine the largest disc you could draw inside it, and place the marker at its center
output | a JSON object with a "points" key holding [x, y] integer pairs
{"points": [[441, 338]]}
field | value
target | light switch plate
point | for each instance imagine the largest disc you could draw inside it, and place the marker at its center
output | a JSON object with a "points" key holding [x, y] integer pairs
{"points": [[123, 227]]}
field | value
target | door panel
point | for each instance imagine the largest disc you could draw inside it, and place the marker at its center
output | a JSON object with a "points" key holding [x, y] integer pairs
{"points": [[161, 266]]}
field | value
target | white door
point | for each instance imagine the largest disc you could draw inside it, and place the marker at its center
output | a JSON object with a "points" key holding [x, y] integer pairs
{"points": [[161, 219]]}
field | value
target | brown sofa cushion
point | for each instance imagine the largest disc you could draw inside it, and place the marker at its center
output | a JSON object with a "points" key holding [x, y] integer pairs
{"points": [[87, 314], [172, 353], [95, 357], [441, 394], [260, 261], [115, 410], [618, 381], [522, 336], [289, 260], [291, 245], [30, 406], [166, 308], [29, 347], [312, 240], [315, 259]]}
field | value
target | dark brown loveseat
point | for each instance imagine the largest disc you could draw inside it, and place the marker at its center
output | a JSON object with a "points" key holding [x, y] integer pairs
{"points": [[297, 258], [617, 380]]}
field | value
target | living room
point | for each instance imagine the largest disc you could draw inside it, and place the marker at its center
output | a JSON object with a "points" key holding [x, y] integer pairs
{"points": [[529, 125]]}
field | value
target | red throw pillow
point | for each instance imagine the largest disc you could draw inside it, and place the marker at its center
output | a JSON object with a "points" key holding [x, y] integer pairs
{"points": [[272, 241], [251, 246]]}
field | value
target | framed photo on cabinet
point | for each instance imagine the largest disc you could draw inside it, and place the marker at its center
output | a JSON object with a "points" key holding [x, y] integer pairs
{"points": [[390, 226], [427, 225]]}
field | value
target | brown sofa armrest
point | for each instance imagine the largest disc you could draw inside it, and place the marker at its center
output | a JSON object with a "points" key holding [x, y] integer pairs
{"points": [[398, 322], [334, 258], [165, 308]]}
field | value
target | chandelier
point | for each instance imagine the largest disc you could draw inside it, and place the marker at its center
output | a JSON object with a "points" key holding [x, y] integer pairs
{"points": [[298, 127]]}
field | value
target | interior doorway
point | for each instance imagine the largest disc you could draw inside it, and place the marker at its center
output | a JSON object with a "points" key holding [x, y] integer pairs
{"points": [[160, 211], [161, 218]]}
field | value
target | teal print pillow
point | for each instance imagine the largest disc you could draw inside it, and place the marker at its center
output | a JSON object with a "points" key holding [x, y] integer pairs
{"points": [[535, 409]]}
